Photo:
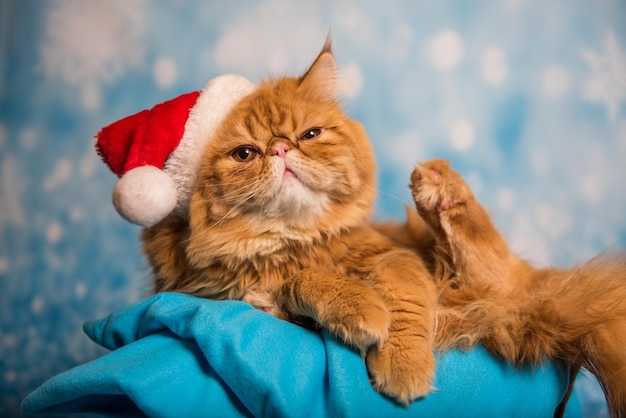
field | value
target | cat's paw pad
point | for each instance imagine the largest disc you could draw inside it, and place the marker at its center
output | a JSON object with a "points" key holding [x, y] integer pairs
{"points": [[402, 370], [265, 301], [358, 321], [437, 188]]}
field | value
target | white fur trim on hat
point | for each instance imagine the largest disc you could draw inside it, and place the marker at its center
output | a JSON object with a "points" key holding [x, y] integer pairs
{"points": [[215, 102], [144, 195]]}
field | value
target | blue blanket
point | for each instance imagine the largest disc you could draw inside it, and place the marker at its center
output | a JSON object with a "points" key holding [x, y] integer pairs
{"points": [[176, 355]]}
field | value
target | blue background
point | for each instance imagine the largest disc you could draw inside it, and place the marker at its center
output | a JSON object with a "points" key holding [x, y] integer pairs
{"points": [[525, 97]]}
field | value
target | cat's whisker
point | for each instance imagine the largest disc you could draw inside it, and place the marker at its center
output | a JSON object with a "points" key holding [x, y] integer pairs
{"points": [[323, 178], [393, 196], [241, 182], [332, 179], [233, 197], [201, 233], [218, 222]]}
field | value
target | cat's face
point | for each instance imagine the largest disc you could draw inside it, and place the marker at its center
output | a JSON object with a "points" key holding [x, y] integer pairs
{"points": [[287, 159]]}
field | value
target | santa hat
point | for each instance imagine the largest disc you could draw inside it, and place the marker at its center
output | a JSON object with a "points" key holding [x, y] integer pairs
{"points": [[156, 152]]}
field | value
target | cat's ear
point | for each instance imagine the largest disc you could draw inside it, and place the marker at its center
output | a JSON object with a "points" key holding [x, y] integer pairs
{"points": [[321, 79]]}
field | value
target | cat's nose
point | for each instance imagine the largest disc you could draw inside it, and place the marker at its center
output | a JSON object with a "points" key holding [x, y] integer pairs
{"points": [[280, 149]]}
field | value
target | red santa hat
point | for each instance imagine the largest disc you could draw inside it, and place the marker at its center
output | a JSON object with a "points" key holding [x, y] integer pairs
{"points": [[156, 152]]}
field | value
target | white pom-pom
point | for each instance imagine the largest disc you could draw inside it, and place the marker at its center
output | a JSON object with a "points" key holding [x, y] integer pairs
{"points": [[145, 195]]}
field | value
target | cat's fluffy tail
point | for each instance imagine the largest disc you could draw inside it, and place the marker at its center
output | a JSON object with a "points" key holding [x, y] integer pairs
{"points": [[578, 315], [589, 306]]}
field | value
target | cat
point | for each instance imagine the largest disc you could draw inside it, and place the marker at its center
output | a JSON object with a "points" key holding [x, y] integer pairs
{"points": [[280, 218], [520, 313]]}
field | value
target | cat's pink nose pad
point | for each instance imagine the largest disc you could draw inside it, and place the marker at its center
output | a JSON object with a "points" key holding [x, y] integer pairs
{"points": [[280, 149]]}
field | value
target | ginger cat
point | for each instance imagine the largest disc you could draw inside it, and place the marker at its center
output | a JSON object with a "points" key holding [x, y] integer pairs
{"points": [[280, 219], [525, 315]]}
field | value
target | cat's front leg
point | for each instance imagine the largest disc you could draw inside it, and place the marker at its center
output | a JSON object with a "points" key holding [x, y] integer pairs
{"points": [[349, 309], [468, 244], [403, 366]]}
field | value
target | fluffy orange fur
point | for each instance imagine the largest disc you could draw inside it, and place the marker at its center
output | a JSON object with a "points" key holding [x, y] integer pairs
{"points": [[520, 313], [280, 218]]}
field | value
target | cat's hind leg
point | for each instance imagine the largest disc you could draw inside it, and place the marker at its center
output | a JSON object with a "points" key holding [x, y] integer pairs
{"points": [[468, 246], [472, 265]]}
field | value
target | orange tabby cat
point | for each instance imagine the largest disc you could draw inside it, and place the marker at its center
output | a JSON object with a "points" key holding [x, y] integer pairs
{"points": [[280, 219], [524, 314]]}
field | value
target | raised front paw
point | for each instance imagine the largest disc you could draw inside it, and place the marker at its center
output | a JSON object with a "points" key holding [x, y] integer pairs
{"points": [[437, 188], [402, 369]]}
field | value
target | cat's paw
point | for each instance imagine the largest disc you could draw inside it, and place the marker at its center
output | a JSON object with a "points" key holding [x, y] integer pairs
{"points": [[437, 188], [402, 369], [350, 309], [359, 321], [264, 300]]}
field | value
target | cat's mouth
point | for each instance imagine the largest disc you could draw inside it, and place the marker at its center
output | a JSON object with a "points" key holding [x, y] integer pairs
{"points": [[289, 173], [289, 195]]}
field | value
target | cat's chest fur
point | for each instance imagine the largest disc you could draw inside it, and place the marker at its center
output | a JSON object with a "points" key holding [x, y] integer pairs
{"points": [[350, 253]]}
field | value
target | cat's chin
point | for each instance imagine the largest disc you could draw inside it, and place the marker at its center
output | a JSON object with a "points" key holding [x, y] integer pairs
{"points": [[295, 204]]}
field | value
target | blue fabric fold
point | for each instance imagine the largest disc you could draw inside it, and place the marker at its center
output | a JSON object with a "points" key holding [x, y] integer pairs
{"points": [[176, 355]]}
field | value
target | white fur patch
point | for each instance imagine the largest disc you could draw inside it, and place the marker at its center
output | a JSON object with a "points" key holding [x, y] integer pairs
{"points": [[292, 200]]}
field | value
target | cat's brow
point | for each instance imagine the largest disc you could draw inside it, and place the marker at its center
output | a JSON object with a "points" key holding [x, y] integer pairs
{"points": [[254, 121], [277, 117]]}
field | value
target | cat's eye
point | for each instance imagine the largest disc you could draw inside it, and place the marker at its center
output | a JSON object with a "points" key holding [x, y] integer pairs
{"points": [[311, 133], [244, 154]]}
